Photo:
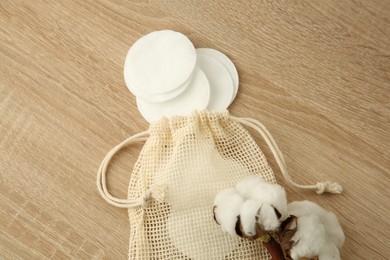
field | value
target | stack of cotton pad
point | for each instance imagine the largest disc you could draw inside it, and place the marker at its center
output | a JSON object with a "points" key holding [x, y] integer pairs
{"points": [[170, 77]]}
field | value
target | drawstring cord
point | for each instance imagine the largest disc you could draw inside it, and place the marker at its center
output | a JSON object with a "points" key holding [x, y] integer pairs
{"points": [[101, 176], [159, 192], [320, 187]]}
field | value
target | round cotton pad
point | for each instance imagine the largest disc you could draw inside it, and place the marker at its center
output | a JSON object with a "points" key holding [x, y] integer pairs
{"points": [[226, 62], [196, 96], [159, 62], [221, 84], [157, 98]]}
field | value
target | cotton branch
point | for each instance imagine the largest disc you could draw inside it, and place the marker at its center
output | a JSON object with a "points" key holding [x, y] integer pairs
{"points": [[257, 210]]}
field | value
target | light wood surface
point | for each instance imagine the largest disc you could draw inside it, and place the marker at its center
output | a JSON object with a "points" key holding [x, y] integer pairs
{"points": [[316, 73]]}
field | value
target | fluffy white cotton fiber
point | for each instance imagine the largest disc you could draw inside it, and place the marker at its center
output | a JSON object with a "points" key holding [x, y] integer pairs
{"points": [[227, 205], [310, 237], [328, 219], [254, 207], [247, 185], [258, 203], [248, 212], [255, 187], [319, 232]]}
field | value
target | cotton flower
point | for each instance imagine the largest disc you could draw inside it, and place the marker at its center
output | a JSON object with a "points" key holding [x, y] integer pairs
{"points": [[254, 187], [227, 205], [250, 209], [274, 195], [317, 233], [254, 209], [249, 214], [329, 252], [310, 237], [268, 218], [328, 219], [247, 185]]}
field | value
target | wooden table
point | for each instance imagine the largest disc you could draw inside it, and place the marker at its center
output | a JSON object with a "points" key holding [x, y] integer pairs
{"points": [[316, 73]]}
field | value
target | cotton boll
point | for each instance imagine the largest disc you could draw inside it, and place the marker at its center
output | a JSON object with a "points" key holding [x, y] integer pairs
{"points": [[268, 218], [325, 230], [227, 205], [310, 237], [334, 229], [246, 186], [248, 215], [257, 218], [223, 194], [272, 194], [328, 219], [329, 252]]}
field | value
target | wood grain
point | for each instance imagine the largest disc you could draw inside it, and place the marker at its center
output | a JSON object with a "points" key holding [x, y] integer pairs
{"points": [[316, 73]]}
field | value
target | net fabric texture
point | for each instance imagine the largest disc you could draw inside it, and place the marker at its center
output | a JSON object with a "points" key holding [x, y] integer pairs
{"points": [[184, 163]]}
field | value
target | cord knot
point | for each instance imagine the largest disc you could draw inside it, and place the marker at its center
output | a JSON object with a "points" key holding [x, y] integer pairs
{"points": [[157, 192], [328, 186]]}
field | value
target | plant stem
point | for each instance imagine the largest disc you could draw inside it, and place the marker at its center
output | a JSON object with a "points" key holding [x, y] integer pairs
{"points": [[274, 249]]}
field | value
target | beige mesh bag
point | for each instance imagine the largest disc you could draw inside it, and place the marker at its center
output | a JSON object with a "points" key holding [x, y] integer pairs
{"points": [[184, 163]]}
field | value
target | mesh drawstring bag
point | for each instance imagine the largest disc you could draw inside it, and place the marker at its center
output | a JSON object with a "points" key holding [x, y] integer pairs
{"points": [[184, 163]]}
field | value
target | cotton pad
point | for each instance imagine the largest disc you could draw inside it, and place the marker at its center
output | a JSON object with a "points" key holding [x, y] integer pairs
{"points": [[158, 63], [222, 58], [221, 84], [195, 97], [157, 98]]}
